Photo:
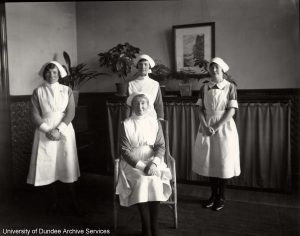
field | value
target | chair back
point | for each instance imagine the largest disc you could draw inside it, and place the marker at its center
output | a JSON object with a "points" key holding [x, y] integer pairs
{"points": [[165, 128], [169, 160]]}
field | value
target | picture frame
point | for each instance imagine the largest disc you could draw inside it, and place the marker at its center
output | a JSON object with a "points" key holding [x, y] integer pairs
{"points": [[194, 47]]}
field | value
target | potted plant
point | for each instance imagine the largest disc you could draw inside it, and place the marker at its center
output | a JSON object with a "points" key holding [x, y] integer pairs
{"points": [[203, 65], [185, 86], [186, 76], [160, 73], [119, 60], [77, 76]]}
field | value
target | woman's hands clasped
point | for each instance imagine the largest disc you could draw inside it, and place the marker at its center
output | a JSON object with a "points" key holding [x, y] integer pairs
{"points": [[152, 170], [54, 135], [208, 131]]}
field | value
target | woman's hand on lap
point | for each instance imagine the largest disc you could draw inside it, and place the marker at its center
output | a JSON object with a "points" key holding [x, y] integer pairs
{"points": [[151, 169]]}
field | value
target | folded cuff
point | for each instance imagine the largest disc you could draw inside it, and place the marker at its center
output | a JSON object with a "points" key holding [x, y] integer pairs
{"points": [[140, 165], [44, 127], [62, 127], [233, 103], [156, 161]]}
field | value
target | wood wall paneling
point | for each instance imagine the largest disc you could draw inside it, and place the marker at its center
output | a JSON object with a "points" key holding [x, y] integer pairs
{"points": [[91, 128]]}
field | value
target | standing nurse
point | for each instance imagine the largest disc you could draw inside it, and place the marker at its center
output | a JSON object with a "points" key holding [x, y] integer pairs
{"points": [[216, 152], [143, 84], [54, 154]]}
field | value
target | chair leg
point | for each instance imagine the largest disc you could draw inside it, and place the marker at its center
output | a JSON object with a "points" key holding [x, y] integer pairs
{"points": [[175, 215], [115, 216]]}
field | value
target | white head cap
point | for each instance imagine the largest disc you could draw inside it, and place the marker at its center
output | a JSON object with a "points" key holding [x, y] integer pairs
{"points": [[220, 62], [62, 70], [146, 57], [133, 95]]}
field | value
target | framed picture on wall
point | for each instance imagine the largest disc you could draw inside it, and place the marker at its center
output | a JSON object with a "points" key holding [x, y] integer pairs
{"points": [[194, 46]]}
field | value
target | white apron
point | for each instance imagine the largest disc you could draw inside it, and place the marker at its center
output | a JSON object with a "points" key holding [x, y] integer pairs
{"points": [[53, 160], [133, 185], [147, 86], [217, 155]]}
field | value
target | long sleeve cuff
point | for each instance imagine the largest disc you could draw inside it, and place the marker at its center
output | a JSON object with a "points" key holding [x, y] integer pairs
{"points": [[62, 127], [140, 165], [156, 161], [44, 127]]}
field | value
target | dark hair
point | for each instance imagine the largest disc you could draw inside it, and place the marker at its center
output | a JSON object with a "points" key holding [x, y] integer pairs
{"points": [[48, 67], [141, 60], [229, 78]]}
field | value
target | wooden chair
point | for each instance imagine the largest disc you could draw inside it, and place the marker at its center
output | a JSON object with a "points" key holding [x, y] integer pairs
{"points": [[169, 160]]}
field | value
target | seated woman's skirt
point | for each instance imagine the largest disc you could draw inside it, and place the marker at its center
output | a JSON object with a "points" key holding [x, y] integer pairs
{"points": [[135, 187]]}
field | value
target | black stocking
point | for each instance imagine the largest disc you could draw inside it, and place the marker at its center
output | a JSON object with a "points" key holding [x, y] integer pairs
{"points": [[154, 212], [145, 217], [72, 190], [52, 193], [214, 186], [51, 196], [222, 184]]}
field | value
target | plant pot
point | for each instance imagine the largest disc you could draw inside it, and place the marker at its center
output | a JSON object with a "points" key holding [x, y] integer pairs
{"points": [[185, 89], [122, 89], [76, 97]]}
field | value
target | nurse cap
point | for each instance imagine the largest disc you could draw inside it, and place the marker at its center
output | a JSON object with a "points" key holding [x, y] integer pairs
{"points": [[133, 95], [220, 62], [146, 57], [61, 69]]}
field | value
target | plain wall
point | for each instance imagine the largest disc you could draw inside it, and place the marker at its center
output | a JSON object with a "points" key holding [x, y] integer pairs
{"points": [[37, 32], [259, 39]]}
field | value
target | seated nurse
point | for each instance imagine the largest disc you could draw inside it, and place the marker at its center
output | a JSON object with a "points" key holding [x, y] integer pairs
{"points": [[144, 178]]}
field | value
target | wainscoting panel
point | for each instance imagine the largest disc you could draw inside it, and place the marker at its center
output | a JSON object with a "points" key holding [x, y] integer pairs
{"points": [[91, 126]]}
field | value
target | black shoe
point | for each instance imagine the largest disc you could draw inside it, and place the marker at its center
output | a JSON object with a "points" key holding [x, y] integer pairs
{"points": [[209, 203], [219, 204]]}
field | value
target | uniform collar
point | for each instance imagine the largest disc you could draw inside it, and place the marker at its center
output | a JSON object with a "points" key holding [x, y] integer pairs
{"points": [[55, 85], [142, 77], [136, 117], [219, 85]]}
